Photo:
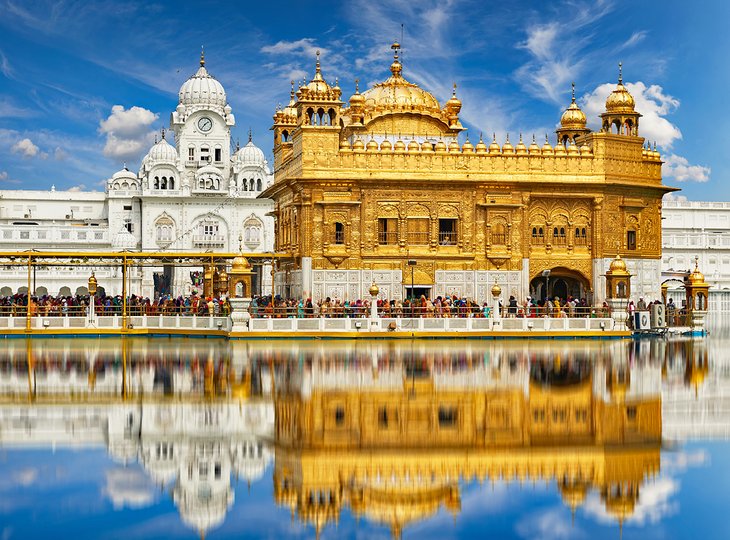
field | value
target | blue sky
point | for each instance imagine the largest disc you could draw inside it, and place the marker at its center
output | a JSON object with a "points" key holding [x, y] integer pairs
{"points": [[83, 494], [84, 85]]}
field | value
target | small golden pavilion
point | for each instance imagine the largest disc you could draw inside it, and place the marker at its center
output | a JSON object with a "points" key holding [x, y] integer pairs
{"points": [[380, 189]]}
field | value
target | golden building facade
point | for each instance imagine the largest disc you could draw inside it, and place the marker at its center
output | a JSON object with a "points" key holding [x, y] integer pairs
{"points": [[365, 187], [395, 445]]}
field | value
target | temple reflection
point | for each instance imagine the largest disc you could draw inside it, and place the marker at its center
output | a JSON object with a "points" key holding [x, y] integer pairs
{"points": [[387, 431]]}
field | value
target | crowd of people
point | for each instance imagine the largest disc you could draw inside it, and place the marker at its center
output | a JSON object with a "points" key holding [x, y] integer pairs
{"points": [[440, 307], [278, 307], [78, 305]]}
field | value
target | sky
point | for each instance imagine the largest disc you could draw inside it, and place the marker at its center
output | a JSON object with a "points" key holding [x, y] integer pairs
{"points": [[82, 493], [85, 86]]}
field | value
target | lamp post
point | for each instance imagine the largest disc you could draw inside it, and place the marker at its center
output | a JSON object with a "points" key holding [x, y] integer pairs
{"points": [[374, 290], [92, 294]]}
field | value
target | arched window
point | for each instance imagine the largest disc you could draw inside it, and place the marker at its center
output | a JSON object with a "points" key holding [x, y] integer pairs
{"points": [[171, 183], [581, 236], [258, 184], [164, 227], [339, 233], [252, 228], [631, 239], [285, 136], [538, 235], [163, 182], [559, 235], [156, 183]]}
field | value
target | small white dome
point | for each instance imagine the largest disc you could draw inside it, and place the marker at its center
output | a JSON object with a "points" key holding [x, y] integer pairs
{"points": [[125, 174], [162, 151], [124, 240], [202, 89], [250, 155]]}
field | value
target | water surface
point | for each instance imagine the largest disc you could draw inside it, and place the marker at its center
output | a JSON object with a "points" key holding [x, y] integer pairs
{"points": [[153, 438]]}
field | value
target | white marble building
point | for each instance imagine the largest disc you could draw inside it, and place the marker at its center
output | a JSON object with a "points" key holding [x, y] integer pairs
{"points": [[196, 195], [698, 229]]}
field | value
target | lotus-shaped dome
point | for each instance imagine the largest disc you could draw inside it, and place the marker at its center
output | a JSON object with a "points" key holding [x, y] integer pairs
{"points": [[202, 89], [162, 152], [124, 174], [250, 155], [618, 266], [620, 100]]}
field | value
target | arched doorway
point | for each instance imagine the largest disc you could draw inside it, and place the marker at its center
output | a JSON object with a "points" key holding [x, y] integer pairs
{"points": [[561, 282]]}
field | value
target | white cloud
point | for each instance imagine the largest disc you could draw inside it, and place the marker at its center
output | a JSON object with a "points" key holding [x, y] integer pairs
{"points": [[128, 488], [128, 132], [26, 477], [547, 524], [651, 102], [636, 37], [5, 67], [653, 505], [304, 46], [25, 148], [3, 175], [678, 168], [59, 154], [674, 197], [77, 188]]}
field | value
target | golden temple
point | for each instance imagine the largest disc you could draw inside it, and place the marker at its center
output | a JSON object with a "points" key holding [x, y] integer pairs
{"points": [[379, 189]]}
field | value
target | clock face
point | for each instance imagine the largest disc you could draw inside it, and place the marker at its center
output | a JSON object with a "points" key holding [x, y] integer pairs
{"points": [[205, 123]]}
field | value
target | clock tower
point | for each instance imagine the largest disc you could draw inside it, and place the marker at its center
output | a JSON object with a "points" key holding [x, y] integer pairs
{"points": [[202, 125]]}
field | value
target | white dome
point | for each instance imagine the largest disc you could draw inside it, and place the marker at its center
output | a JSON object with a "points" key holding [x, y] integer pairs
{"points": [[124, 174], [202, 89], [124, 240], [162, 151], [251, 155]]}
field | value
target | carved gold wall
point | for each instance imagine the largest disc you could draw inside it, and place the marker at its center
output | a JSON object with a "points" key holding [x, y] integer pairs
{"points": [[394, 155]]}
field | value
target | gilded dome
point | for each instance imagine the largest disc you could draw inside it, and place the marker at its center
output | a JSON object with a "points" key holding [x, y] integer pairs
{"points": [[481, 147], [534, 148], [521, 149], [494, 146], [507, 147], [468, 146], [696, 277], [202, 89], [398, 94], [547, 148], [620, 100], [573, 117], [618, 266]]}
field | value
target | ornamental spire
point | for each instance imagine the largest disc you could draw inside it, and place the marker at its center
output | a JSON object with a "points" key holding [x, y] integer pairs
{"points": [[202, 56], [572, 85], [620, 73], [250, 137]]}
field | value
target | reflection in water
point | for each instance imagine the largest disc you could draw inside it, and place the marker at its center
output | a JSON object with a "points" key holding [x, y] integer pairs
{"points": [[384, 430]]}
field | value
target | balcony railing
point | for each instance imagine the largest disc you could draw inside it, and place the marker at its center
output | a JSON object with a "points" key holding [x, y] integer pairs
{"points": [[447, 238], [216, 240], [418, 238], [387, 237]]}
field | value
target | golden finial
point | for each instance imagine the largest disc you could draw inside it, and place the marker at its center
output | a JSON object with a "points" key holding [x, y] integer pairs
{"points": [[533, 139], [520, 136], [546, 139], [573, 92], [396, 49], [319, 69], [655, 146], [507, 137], [240, 243], [454, 91], [480, 137], [291, 94], [357, 86], [620, 73], [494, 136], [202, 56]]}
